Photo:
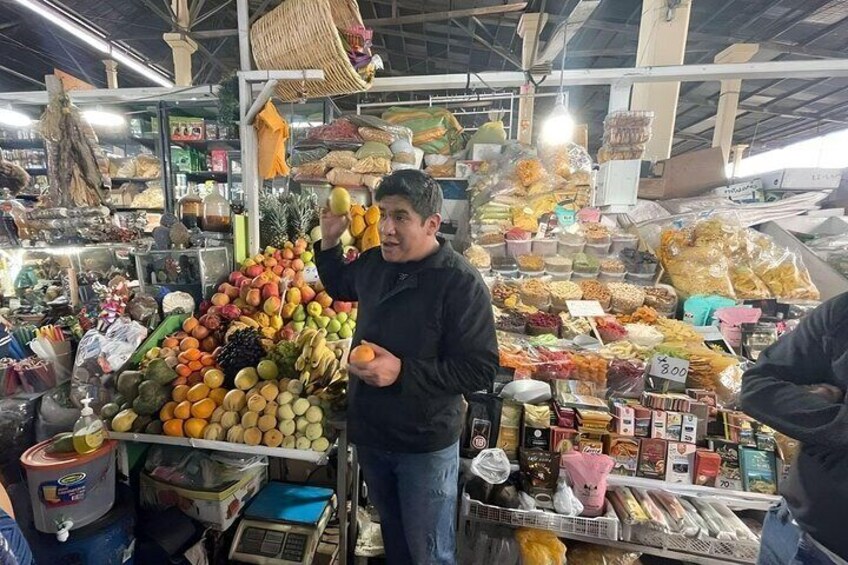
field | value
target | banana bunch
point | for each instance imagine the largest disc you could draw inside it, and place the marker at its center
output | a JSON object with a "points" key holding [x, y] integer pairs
{"points": [[318, 363]]}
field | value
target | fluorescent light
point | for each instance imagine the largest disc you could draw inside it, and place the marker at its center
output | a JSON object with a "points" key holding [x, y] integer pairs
{"points": [[15, 119], [101, 118], [559, 126], [140, 68], [99, 43], [826, 152]]}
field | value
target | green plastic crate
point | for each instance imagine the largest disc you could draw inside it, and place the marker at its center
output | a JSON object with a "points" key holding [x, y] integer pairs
{"points": [[168, 326]]}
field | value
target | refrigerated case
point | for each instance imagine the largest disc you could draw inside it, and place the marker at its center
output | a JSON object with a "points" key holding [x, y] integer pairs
{"points": [[197, 271]]}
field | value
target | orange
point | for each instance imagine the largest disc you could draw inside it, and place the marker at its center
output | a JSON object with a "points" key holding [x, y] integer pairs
{"points": [[195, 427], [195, 366], [207, 359], [197, 392], [179, 393], [167, 411], [182, 370], [189, 324], [193, 354], [362, 354], [173, 428], [218, 394], [183, 410], [203, 408], [213, 378], [171, 342], [189, 343], [183, 358]]}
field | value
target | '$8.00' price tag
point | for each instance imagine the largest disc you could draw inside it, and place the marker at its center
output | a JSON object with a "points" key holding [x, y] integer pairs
{"points": [[670, 368]]}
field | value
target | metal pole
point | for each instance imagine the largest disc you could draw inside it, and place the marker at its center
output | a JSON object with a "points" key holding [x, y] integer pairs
{"points": [[250, 166], [165, 156]]}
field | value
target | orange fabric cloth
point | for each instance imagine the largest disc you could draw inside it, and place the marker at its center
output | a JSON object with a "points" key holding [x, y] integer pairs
{"points": [[272, 132]]}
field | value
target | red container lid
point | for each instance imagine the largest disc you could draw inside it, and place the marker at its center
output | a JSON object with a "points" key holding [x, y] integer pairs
{"points": [[37, 457]]}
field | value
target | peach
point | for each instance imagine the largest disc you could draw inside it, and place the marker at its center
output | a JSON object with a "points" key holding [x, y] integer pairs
{"points": [[340, 306], [271, 289], [229, 290], [278, 270], [288, 254], [307, 294], [271, 305], [254, 271], [300, 280], [254, 297], [220, 299], [269, 263], [288, 273], [329, 312], [260, 281], [297, 265]]}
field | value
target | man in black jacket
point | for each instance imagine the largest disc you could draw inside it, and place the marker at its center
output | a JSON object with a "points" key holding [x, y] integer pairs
{"points": [[427, 314], [798, 388]]}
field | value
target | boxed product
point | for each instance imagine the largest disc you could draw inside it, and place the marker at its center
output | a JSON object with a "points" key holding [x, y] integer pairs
{"points": [[673, 425], [624, 452], [683, 175], [563, 439], [679, 462], [625, 420], [591, 442], [707, 466], [759, 471], [215, 509], [218, 160], [729, 475], [689, 428], [186, 129], [658, 422], [642, 421], [652, 458], [509, 430]]}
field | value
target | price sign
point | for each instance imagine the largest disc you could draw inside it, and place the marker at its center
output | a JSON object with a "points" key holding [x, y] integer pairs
{"points": [[584, 308], [670, 368]]}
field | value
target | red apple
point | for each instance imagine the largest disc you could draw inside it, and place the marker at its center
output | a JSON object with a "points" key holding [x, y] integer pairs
{"points": [[329, 312], [340, 306], [307, 294], [269, 290]]}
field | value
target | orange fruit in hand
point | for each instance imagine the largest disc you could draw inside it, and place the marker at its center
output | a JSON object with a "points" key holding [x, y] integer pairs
{"points": [[362, 354]]}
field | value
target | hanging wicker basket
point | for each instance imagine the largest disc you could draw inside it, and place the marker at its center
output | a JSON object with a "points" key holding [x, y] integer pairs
{"points": [[303, 34]]}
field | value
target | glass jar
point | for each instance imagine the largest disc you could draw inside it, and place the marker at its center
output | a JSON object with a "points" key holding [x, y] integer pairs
{"points": [[216, 212], [190, 208]]}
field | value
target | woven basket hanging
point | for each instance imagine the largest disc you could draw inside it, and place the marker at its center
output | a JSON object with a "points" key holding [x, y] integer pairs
{"points": [[303, 34]]}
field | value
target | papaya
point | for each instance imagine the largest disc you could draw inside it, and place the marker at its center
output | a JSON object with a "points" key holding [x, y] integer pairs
{"points": [[357, 226], [372, 215], [370, 238]]}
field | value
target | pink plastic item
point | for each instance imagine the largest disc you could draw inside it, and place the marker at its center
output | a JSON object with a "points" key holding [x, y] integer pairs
{"points": [[588, 474]]}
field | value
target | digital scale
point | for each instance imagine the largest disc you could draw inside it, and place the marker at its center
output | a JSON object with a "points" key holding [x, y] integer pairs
{"points": [[283, 524]]}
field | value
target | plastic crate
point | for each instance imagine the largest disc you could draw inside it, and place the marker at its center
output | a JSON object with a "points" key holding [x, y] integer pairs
{"points": [[740, 551], [602, 527]]}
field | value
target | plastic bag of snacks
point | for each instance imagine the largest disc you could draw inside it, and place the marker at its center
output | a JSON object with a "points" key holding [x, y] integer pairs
{"points": [[591, 554], [694, 270], [625, 298], [309, 171], [539, 547], [374, 165], [378, 135], [340, 159]]}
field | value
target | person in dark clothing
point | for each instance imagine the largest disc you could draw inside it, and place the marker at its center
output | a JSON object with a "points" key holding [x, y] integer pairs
{"points": [[427, 314], [798, 387]]}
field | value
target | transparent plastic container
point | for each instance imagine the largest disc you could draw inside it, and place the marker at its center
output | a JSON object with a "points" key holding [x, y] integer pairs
{"points": [[570, 244], [576, 276], [597, 249], [531, 274], [623, 241], [545, 247], [606, 277], [516, 247], [558, 264], [641, 279], [495, 249], [559, 276], [216, 212]]}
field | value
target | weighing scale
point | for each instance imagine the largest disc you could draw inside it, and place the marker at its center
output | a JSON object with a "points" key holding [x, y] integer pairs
{"points": [[283, 524]]}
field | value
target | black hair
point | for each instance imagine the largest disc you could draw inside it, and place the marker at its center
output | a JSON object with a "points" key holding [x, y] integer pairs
{"points": [[420, 189]]}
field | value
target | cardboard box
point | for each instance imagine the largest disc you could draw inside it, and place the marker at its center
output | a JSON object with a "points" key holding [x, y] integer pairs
{"points": [[652, 458], [658, 423], [679, 462], [617, 183], [689, 428], [215, 509], [625, 420], [685, 175], [707, 468], [642, 427], [759, 470], [729, 474], [674, 426], [624, 452], [564, 439]]}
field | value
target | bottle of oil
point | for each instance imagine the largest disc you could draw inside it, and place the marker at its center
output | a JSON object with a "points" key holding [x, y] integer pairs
{"points": [[88, 431]]}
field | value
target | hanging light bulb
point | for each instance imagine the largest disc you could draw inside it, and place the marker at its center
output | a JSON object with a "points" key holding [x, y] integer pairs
{"points": [[101, 118], [559, 126], [9, 117]]}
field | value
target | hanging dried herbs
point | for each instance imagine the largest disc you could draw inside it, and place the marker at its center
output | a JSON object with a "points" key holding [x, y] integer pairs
{"points": [[74, 175]]}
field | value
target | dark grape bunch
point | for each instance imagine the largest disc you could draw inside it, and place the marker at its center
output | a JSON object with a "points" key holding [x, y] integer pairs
{"points": [[244, 349]]}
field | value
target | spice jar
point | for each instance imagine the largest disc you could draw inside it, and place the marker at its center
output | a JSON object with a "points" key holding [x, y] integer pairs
{"points": [[190, 209], [216, 212]]}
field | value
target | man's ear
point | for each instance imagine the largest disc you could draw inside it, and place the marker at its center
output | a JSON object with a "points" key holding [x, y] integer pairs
{"points": [[433, 223]]}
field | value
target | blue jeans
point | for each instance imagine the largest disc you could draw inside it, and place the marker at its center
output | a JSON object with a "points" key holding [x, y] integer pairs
{"points": [[416, 497], [784, 543]]}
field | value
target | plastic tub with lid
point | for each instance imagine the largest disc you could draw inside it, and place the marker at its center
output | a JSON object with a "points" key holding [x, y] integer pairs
{"points": [[495, 249], [545, 247], [641, 279], [600, 249], [559, 275], [569, 244], [623, 241], [516, 247], [607, 277], [69, 490], [577, 276]]}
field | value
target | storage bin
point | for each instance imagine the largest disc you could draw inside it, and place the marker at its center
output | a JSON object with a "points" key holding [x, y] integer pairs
{"points": [[641, 279], [495, 249], [545, 247], [606, 277], [597, 249], [623, 241], [516, 247]]}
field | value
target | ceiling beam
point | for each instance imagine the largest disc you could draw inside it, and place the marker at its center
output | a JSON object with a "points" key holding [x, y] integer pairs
{"points": [[448, 15], [21, 76], [509, 57]]}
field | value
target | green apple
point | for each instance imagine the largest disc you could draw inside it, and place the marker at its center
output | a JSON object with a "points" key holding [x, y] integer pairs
{"points": [[299, 314], [267, 370], [310, 323], [334, 326], [323, 321], [306, 256], [352, 324], [298, 326], [353, 313], [333, 337], [308, 264], [345, 332], [342, 317], [314, 309]]}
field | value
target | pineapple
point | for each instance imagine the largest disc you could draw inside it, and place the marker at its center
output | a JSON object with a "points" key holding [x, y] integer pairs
{"points": [[303, 213], [274, 221]]}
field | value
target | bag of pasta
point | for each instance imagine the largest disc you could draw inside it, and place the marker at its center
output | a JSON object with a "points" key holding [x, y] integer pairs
{"points": [[340, 160], [377, 135], [540, 547], [694, 269], [373, 165], [309, 171], [343, 177], [529, 171]]}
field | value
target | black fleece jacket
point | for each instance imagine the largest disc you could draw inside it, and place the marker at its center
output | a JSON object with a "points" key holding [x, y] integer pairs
{"points": [[773, 392], [436, 316]]}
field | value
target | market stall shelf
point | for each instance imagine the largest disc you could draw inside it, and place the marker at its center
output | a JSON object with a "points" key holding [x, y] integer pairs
{"points": [[314, 457], [740, 551], [732, 498]]}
